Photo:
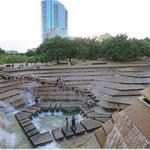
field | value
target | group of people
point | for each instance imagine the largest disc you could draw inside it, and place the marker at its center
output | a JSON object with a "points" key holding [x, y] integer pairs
{"points": [[60, 82], [73, 123]]}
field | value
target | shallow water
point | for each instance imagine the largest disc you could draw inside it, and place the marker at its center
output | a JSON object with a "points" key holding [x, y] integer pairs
{"points": [[49, 121], [14, 135]]}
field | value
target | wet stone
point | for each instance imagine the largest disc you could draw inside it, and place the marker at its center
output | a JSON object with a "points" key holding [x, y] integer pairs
{"points": [[23, 115], [26, 123], [79, 129], [33, 132], [41, 139], [90, 124], [58, 136], [67, 133], [29, 128]]}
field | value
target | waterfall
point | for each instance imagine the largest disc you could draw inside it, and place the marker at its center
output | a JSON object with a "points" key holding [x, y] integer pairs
{"points": [[125, 135], [28, 93], [8, 109]]}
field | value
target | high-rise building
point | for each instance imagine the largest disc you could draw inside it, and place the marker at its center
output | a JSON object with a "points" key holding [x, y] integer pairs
{"points": [[54, 19]]}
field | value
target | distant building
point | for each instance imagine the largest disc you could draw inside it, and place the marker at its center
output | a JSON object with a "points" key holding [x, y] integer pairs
{"points": [[54, 19]]}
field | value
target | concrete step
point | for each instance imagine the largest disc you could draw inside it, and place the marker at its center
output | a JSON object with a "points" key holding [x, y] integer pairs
{"points": [[67, 133], [29, 128], [23, 115], [41, 139], [57, 133], [90, 124], [80, 130]]}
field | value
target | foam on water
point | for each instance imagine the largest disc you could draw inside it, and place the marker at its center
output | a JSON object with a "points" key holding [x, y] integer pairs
{"points": [[11, 139], [8, 109]]}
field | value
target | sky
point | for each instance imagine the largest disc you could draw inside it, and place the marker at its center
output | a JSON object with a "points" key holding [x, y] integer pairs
{"points": [[20, 20]]}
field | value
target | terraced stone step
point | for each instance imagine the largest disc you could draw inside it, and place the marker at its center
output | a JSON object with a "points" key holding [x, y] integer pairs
{"points": [[18, 103], [90, 124], [29, 128], [30, 110], [102, 119], [33, 132], [25, 120], [8, 94], [13, 99], [67, 133], [36, 108], [98, 115], [27, 123], [58, 136], [23, 115], [79, 129], [45, 106], [41, 139]]}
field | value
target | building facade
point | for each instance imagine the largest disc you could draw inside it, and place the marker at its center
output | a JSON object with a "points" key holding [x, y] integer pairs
{"points": [[54, 19]]}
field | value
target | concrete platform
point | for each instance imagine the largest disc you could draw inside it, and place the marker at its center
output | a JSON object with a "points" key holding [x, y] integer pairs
{"points": [[58, 136], [29, 128], [90, 124], [79, 129], [23, 115], [41, 139], [67, 134]]}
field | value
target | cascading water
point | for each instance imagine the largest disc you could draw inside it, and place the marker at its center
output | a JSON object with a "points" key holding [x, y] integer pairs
{"points": [[125, 135], [28, 93], [11, 139], [8, 109]]}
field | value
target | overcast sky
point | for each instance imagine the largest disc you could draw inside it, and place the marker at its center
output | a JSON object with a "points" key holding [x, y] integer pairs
{"points": [[20, 20]]}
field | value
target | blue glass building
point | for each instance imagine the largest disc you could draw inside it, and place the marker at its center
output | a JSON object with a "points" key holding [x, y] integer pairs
{"points": [[54, 19]]}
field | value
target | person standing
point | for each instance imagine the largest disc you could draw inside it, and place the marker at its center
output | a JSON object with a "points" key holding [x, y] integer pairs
{"points": [[73, 123], [67, 124]]}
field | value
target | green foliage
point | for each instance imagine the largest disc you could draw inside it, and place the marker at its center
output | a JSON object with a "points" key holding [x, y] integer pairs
{"points": [[117, 48], [12, 59]]}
